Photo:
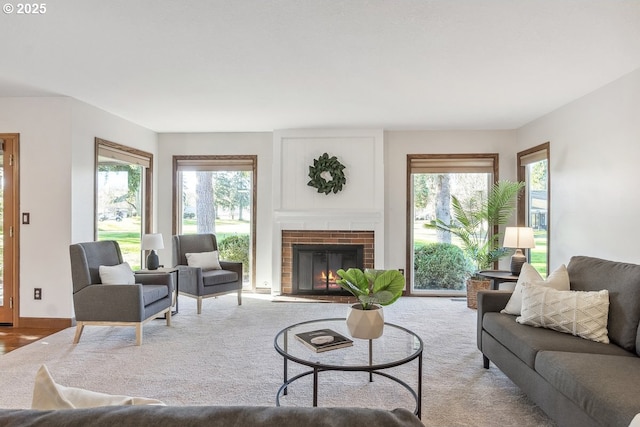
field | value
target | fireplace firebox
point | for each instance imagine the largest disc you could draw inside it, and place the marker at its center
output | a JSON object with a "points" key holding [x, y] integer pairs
{"points": [[315, 267]]}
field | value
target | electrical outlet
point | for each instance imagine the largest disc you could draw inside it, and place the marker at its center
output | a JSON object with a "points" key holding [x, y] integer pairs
{"points": [[37, 293]]}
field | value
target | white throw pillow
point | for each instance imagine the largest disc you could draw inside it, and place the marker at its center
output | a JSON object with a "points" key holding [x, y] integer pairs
{"points": [[579, 313], [49, 395], [204, 260], [558, 279], [120, 274]]}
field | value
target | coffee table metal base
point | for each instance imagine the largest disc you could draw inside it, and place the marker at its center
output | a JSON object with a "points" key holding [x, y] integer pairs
{"points": [[282, 391], [371, 367]]}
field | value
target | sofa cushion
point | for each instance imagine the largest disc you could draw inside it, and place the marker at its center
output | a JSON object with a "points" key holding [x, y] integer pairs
{"points": [[526, 341], [218, 277], [622, 280], [558, 279], [604, 386], [47, 394], [580, 313]]}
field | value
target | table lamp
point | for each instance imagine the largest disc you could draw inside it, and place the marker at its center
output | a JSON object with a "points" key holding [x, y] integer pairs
{"points": [[152, 242], [518, 238]]}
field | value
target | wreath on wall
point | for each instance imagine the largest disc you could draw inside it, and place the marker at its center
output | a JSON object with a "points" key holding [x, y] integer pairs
{"points": [[327, 174]]}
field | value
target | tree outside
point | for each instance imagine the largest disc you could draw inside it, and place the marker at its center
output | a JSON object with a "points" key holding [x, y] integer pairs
{"points": [[432, 200], [119, 208], [219, 202]]}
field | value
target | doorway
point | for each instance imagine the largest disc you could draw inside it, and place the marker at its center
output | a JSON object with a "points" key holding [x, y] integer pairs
{"points": [[217, 194], [9, 229], [437, 264]]}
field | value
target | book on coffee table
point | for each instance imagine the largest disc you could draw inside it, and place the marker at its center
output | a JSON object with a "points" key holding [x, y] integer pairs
{"points": [[321, 340]]}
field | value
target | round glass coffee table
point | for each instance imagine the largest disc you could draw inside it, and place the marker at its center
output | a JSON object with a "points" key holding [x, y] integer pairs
{"points": [[397, 346]]}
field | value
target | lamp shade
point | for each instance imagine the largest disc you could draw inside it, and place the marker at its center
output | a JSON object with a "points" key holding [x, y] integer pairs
{"points": [[519, 238], [152, 241]]}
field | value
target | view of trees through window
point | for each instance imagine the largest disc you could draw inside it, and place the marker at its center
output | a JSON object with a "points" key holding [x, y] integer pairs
{"points": [[219, 202], [119, 213], [537, 188], [439, 265]]}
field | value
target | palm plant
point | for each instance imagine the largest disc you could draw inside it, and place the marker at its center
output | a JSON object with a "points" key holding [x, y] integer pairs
{"points": [[474, 224]]}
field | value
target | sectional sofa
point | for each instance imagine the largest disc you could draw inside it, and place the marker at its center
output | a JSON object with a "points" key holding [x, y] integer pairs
{"points": [[576, 381]]}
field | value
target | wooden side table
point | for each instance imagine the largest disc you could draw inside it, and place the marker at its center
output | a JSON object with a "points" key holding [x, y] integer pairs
{"points": [[497, 277], [176, 277]]}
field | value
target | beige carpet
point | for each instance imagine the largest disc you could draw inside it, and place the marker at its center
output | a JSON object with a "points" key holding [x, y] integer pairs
{"points": [[226, 357]]}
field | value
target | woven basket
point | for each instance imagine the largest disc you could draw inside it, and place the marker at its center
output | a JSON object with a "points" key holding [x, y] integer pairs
{"points": [[473, 286]]}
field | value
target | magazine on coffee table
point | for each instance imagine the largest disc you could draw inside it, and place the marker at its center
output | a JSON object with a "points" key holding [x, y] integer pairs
{"points": [[321, 340]]}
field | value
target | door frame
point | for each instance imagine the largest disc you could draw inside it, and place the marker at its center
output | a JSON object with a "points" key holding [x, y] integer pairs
{"points": [[447, 159], [11, 228], [176, 194]]}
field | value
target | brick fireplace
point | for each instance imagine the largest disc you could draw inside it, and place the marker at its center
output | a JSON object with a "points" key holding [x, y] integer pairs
{"points": [[321, 237]]}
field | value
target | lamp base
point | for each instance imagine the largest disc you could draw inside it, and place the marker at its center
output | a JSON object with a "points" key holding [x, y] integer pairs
{"points": [[152, 260], [517, 259]]}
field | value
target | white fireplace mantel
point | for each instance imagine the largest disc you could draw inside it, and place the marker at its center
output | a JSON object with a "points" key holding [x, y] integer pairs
{"points": [[352, 220]]}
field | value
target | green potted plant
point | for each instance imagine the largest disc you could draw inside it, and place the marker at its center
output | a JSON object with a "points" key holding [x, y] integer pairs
{"points": [[475, 225], [374, 289]]}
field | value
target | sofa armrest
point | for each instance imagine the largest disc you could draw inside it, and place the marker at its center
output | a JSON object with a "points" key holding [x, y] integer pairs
{"points": [[156, 279], [109, 303], [190, 279], [232, 266], [490, 302]]}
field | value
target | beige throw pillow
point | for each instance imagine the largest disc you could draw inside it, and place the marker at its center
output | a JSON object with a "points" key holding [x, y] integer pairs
{"points": [[49, 395], [204, 260], [120, 274], [558, 279], [579, 313]]}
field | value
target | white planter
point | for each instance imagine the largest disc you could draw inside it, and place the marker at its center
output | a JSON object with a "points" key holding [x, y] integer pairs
{"points": [[365, 324]]}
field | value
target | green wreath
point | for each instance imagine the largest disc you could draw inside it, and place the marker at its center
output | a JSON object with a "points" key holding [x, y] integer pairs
{"points": [[327, 174]]}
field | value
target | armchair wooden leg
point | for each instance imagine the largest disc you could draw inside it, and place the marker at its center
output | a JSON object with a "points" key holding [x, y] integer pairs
{"points": [[139, 334], [485, 362], [167, 314], [240, 297], [79, 329], [199, 305]]}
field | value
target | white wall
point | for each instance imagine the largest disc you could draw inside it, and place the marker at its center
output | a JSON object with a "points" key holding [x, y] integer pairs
{"points": [[400, 143], [594, 169], [260, 144], [56, 187], [397, 144], [44, 125], [88, 123]]}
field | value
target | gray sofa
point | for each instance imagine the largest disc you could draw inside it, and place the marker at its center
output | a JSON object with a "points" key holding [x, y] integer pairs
{"points": [[209, 416], [577, 382]]}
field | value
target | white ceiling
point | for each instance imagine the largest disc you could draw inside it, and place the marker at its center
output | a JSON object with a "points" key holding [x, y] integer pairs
{"points": [[260, 65]]}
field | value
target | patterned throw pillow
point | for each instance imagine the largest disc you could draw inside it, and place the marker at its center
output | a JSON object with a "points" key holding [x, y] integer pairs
{"points": [[558, 279], [579, 313]]}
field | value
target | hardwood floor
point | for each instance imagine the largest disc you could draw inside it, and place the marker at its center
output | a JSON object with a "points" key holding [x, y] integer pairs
{"points": [[12, 338]]}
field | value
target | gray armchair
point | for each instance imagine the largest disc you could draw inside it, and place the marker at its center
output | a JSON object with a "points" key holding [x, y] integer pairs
{"points": [[198, 283], [115, 305]]}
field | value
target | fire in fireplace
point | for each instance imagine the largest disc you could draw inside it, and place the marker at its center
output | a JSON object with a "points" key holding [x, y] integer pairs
{"points": [[315, 267]]}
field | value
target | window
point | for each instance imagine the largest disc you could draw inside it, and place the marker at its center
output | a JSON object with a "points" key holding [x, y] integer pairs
{"points": [[436, 264], [122, 200], [216, 194], [533, 170]]}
